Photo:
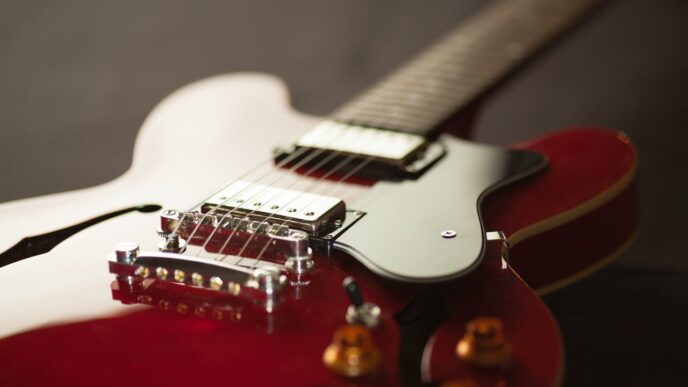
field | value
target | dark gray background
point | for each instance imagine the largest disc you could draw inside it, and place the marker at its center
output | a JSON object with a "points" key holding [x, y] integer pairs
{"points": [[77, 78]]}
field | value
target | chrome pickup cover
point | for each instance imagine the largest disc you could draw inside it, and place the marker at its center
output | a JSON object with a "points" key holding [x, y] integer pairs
{"points": [[384, 145], [315, 214]]}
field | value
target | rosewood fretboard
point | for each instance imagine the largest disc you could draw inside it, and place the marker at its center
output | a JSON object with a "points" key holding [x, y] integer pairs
{"points": [[467, 62]]}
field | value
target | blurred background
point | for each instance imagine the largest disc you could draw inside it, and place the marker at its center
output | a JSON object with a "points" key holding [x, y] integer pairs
{"points": [[77, 78]]}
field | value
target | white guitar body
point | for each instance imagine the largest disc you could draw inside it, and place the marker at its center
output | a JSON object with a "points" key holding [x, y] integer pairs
{"points": [[195, 140]]}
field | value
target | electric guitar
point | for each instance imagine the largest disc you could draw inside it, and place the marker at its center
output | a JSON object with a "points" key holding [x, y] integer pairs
{"points": [[250, 244]]}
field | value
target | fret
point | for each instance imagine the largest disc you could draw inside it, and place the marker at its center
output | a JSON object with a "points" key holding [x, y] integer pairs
{"points": [[460, 67]]}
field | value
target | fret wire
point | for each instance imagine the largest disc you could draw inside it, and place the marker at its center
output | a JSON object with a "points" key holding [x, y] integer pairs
{"points": [[462, 64]]}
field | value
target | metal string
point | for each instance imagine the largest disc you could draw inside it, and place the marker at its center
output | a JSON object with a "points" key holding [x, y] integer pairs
{"points": [[264, 221], [282, 163], [307, 173], [298, 165], [339, 181], [301, 163]]}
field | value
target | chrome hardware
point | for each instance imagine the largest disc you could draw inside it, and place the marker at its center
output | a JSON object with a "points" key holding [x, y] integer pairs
{"points": [[360, 312], [388, 152], [172, 243], [448, 234], [300, 265], [314, 214], [424, 159], [300, 259], [270, 281], [385, 145], [263, 286], [498, 236], [229, 233], [126, 252]]}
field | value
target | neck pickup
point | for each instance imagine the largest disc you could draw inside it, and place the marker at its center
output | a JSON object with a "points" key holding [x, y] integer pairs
{"points": [[365, 151]]}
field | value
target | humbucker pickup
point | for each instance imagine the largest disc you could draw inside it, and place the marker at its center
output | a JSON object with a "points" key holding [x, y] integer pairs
{"points": [[314, 214], [256, 220], [386, 150]]}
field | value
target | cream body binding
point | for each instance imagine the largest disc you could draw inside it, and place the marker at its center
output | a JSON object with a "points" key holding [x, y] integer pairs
{"points": [[193, 142]]}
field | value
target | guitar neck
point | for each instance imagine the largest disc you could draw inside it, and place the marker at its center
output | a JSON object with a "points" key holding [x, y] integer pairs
{"points": [[471, 59]]}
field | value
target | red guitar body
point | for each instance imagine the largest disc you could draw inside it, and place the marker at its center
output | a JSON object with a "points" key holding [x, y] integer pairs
{"points": [[562, 223]]}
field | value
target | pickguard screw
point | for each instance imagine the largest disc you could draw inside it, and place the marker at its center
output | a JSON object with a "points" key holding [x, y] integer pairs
{"points": [[448, 234]]}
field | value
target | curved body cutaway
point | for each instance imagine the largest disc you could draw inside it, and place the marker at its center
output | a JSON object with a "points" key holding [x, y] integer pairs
{"points": [[60, 324]]}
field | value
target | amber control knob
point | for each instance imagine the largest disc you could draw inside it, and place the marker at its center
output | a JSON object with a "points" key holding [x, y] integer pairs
{"points": [[484, 343], [352, 352], [466, 382]]}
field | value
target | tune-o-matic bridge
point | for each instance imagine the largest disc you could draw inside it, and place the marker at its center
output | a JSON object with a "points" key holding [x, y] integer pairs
{"points": [[135, 270], [387, 153]]}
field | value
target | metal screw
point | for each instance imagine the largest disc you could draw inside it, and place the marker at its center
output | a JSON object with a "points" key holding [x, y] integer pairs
{"points": [[448, 234], [310, 213]]}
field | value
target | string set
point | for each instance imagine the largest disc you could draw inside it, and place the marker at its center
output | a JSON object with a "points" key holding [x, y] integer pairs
{"points": [[300, 152]]}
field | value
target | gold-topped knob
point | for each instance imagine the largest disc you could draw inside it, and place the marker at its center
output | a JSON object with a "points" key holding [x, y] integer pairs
{"points": [[484, 343], [465, 382], [352, 352]]}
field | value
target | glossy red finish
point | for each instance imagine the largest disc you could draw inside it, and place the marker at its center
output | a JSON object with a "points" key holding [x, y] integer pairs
{"points": [[559, 256], [152, 347], [492, 291], [586, 166]]}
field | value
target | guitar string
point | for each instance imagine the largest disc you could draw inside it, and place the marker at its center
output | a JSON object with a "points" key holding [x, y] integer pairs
{"points": [[312, 185], [230, 182], [311, 170], [261, 205], [331, 188], [299, 152], [213, 230], [316, 152]]}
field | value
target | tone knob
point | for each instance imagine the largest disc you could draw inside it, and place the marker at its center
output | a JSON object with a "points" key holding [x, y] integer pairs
{"points": [[484, 343], [352, 352]]}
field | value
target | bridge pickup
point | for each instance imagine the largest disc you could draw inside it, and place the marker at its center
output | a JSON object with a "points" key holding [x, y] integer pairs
{"points": [[314, 214], [385, 150]]}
